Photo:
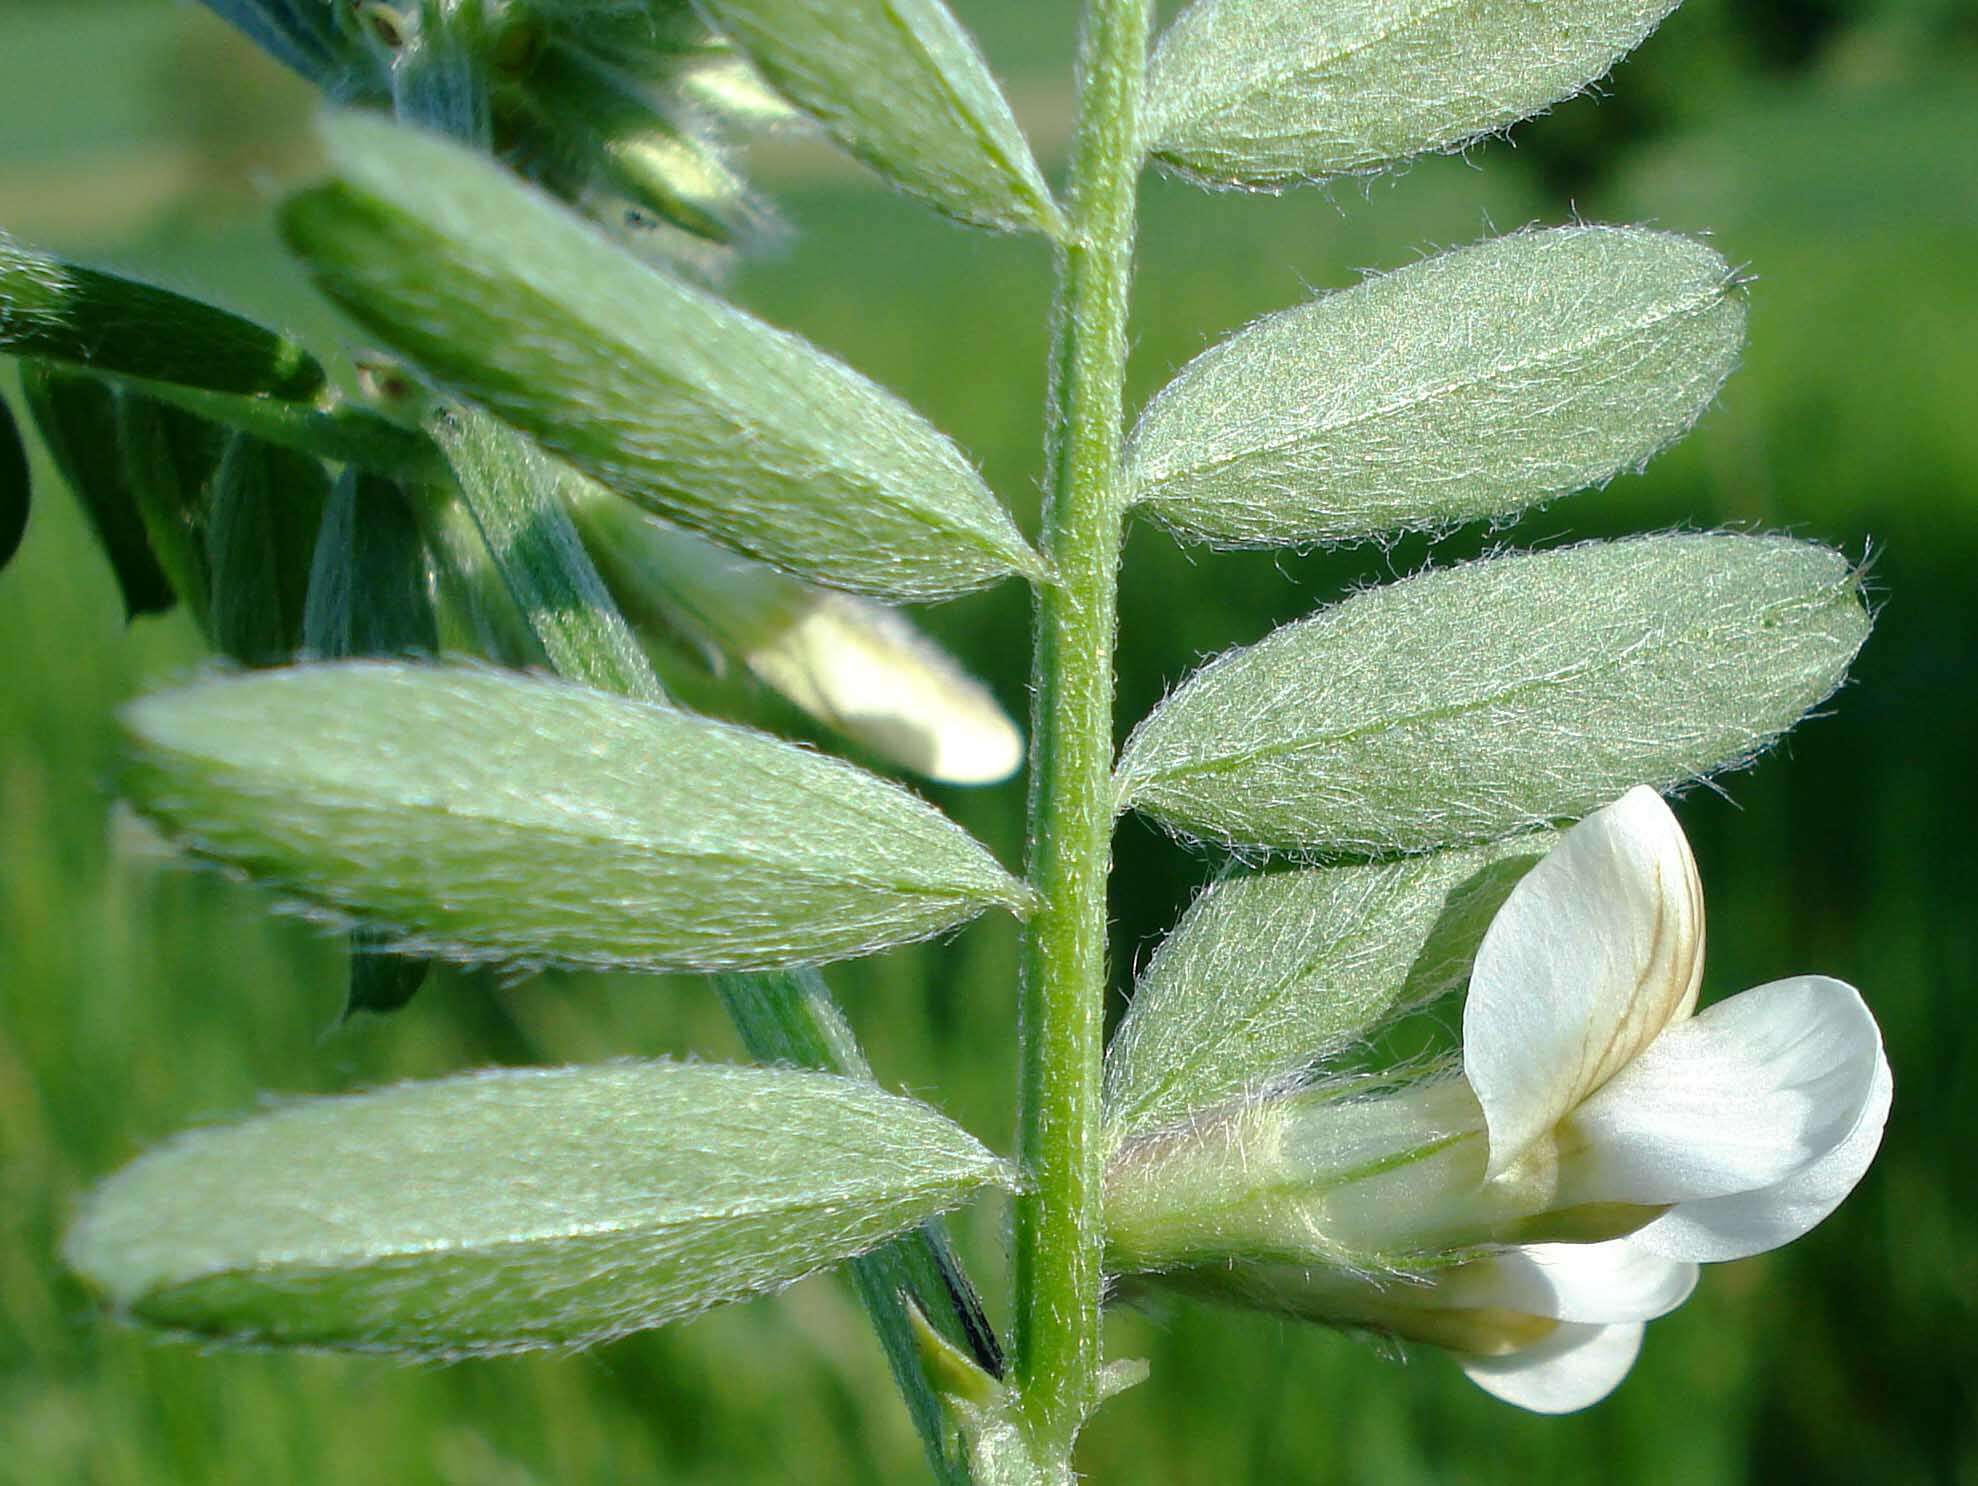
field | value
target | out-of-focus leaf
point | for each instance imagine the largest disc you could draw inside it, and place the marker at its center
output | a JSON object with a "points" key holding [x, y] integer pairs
{"points": [[267, 508], [1267, 976], [484, 816], [1793, 162], [1468, 385], [62, 312], [14, 494], [367, 578], [900, 84], [500, 1211], [660, 391], [1273, 93], [168, 458], [853, 664], [77, 417], [300, 34], [598, 123], [381, 982], [1467, 704]]}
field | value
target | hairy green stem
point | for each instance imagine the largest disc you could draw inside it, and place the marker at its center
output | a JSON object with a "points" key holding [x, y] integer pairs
{"points": [[1058, 1218], [513, 491]]}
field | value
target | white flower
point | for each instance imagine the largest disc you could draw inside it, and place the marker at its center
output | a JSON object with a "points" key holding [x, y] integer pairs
{"points": [[1602, 1140]]}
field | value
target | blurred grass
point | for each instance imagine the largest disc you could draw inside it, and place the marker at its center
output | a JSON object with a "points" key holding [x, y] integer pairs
{"points": [[1827, 147]]}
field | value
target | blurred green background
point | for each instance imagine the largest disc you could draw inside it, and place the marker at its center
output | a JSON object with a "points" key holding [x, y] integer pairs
{"points": [[1831, 147]]}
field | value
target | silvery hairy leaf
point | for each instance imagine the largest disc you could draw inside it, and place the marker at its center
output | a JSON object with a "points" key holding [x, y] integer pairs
{"points": [[1271, 93], [1463, 705], [1269, 975], [61, 311], [480, 815], [500, 1211], [658, 390], [900, 84], [1469, 385]]}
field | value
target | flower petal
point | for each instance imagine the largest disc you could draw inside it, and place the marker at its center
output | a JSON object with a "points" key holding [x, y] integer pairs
{"points": [[1757, 1091], [1596, 950], [1602, 1283], [1574, 1367], [1714, 1229]]}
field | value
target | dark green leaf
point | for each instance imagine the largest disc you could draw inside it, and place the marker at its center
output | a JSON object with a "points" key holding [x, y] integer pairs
{"points": [[77, 417], [61, 312], [267, 508], [367, 579], [168, 461], [368, 596], [300, 34], [13, 486], [381, 982]]}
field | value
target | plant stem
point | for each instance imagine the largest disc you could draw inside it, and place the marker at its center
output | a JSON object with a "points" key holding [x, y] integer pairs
{"points": [[1058, 1219]]}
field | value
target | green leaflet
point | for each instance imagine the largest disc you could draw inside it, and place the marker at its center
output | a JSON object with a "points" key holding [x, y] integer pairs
{"points": [[484, 816], [660, 391], [1267, 976], [267, 506], [1273, 93], [367, 577], [168, 458], [14, 493], [500, 1211], [900, 84], [1466, 704], [77, 417], [98, 321], [1468, 385]]}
